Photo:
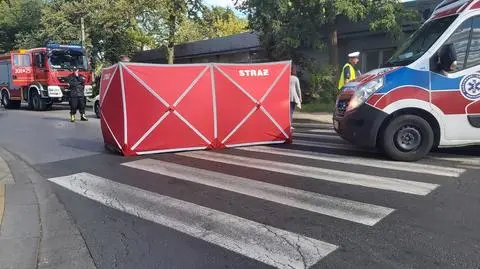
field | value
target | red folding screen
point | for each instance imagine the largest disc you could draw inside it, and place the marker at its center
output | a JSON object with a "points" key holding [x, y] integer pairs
{"points": [[150, 108]]}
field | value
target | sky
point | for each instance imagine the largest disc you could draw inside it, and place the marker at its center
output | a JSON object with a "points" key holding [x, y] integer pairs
{"points": [[223, 3], [229, 3]]}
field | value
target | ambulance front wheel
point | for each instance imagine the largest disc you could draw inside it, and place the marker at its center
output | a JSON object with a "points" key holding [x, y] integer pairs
{"points": [[407, 138]]}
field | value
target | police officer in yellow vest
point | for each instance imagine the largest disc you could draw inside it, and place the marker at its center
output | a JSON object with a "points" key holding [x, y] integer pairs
{"points": [[348, 71]]}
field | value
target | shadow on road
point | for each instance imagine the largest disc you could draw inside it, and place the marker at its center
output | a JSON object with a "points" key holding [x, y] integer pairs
{"points": [[56, 107], [82, 144], [471, 151], [66, 118]]}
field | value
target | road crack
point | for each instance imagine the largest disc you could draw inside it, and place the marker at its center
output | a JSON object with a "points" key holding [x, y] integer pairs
{"points": [[296, 245]]}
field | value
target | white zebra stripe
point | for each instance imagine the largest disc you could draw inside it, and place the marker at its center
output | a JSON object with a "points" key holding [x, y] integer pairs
{"points": [[369, 181], [270, 245], [321, 136], [323, 131], [392, 165], [331, 206], [461, 159]]}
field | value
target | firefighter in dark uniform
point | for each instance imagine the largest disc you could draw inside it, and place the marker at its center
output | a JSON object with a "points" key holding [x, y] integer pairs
{"points": [[349, 72], [77, 95]]}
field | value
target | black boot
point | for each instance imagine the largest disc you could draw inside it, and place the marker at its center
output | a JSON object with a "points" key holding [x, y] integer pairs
{"points": [[83, 118]]}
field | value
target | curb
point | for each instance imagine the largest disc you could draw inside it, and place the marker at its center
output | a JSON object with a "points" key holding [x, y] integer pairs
{"points": [[5, 177], [50, 238], [2, 202], [320, 117]]}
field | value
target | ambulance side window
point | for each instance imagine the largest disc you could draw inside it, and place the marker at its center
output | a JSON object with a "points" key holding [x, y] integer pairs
{"points": [[459, 39], [473, 56]]}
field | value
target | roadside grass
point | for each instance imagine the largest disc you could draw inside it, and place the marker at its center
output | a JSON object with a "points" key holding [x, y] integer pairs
{"points": [[317, 106]]}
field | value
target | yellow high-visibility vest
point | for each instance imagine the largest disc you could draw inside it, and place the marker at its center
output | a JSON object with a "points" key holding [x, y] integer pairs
{"points": [[353, 75]]}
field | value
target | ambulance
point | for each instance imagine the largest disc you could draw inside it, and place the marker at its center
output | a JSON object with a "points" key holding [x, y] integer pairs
{"points": [[427, 95]]}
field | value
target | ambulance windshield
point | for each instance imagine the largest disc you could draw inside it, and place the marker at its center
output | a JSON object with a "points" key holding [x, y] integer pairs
{"points": [[419, 43], [66, 59]]}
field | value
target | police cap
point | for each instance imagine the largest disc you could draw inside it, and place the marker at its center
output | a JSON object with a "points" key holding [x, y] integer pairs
{"points": [[354, 54]]}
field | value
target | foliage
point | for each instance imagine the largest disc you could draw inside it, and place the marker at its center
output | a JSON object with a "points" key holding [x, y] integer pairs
{"points": [[219, 21], [389, 18], [18, 18], [286, 26], [113, 28], [318, 106], [318, 80]]}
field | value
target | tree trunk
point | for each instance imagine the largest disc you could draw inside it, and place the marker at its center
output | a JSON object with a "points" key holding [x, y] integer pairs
{"points": [[333, 56], [333, 47], [171, 39], [331, 16], [170, 54]]}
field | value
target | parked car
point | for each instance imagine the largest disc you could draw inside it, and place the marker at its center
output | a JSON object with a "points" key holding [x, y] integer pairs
{"points": [[96, 105]]}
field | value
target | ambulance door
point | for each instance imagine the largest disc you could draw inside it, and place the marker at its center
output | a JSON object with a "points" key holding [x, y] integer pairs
{"points": [[456, 91]]}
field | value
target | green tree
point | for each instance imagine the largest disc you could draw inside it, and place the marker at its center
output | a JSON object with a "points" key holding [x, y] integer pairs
{"points": [[171, 22], [174, 13], [287, 25], [212, 23], [112, 27], [189, 30], [220, 21], [18, 19]]}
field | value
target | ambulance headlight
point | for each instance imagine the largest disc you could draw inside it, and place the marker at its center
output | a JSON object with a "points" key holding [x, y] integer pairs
{"points": [[364, 92]]}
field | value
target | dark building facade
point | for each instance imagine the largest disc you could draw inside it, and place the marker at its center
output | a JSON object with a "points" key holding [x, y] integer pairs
{"points": [[375, 47]]}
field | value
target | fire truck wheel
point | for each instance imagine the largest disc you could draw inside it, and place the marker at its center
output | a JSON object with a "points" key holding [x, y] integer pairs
{"points": [[9, 104], [5, 100], [38, 103], [407, 138]]}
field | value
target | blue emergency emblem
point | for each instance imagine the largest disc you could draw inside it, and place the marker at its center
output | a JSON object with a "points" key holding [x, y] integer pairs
{"points": [[470, 86]]}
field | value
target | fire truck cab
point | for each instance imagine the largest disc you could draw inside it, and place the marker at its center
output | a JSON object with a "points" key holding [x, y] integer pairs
{"points": [[426, 95], [38, 76]]}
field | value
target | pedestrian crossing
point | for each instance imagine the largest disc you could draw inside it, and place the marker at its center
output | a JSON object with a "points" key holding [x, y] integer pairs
{"points": [[329, 136], [323, 131], [392, 165], [322, 204], [264, 243], [377, 182], [342, 145]]}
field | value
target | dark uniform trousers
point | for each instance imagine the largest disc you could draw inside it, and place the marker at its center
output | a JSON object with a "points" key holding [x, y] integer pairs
{"points": [[77, 103], [77, 96]]}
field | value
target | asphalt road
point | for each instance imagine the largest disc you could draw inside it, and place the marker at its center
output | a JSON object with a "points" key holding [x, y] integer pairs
{"points": [[318, 203]]}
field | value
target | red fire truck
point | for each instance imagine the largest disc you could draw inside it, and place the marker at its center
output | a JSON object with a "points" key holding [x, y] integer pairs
{"points": [[38, 76]]}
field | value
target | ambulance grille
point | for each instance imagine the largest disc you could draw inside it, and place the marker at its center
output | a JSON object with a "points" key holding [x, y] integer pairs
{"points": [[341, 107]]}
